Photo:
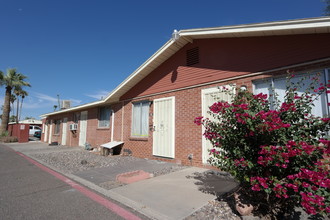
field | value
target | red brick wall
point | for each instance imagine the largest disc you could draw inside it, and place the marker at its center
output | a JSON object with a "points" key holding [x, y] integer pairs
{"points": [[188, 106], [219, 59], [187, 135], [118, 111], [95, 135]]}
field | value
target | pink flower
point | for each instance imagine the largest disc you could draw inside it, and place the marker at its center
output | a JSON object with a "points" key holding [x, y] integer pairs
{"points": [[325, 120], [304, 184], [198, 120], [256, 187], [327, 209]]}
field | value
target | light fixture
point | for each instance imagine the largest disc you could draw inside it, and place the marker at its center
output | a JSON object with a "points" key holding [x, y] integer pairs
{"points": [[243, 88]]}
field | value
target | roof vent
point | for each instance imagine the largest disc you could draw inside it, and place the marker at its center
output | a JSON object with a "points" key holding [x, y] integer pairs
{"points": [[175, 35], [193, 56]]}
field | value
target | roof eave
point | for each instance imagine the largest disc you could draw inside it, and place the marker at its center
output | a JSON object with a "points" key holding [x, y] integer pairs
{"points": [[77, 108]]}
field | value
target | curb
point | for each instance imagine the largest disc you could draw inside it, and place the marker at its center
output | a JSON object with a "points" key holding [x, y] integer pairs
{"points": [[138, 207]]}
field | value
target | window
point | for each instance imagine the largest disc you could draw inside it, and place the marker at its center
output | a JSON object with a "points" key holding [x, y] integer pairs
{"points": [[104, 117], [140, 119], [76, 117], [279, 84], [57, 126]]}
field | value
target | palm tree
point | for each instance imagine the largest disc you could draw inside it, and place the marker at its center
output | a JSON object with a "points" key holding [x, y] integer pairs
{"points": [[11, 80], [12, 101], [23, 94], [19, 92]]}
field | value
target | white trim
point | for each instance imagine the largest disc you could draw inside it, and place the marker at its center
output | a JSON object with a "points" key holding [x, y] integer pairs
{"points": [[205, 142], [50, 134], [122, 121], [261, 27], [83, 127], [142, 67], [327, 78], [172, 133], [112, 123], [64, 131], [76, 108]]}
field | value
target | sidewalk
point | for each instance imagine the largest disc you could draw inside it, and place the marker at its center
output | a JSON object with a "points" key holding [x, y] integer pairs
{"points": [[171, 196]]}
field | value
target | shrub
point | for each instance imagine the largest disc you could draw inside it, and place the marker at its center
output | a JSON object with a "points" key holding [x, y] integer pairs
{"points": [[9, 139], [277, 149]]}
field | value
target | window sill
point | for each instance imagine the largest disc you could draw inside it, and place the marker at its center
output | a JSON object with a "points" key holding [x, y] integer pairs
{"points": [[138, 139], [103, 128]]}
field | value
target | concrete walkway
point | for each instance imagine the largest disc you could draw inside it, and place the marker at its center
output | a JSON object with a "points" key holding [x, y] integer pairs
{"points": [[172, 196]]}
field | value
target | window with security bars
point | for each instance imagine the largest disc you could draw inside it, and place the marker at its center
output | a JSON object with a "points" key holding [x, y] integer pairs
{"points": [[104, 117], [276, 87], [140, 119]]}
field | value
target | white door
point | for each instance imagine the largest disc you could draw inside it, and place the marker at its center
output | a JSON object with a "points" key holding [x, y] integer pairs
{"points": [[83, 128], [64, 130], [164, 127], [46, 131], [209, 97], [50, 132]]}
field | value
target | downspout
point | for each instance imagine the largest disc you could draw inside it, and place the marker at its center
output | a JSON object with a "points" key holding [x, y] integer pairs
{"points": [[326, 73], [122, 120], [112, 123]]}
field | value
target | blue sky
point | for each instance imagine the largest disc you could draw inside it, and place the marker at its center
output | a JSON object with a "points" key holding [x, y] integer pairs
{"points": [[82, 49]]}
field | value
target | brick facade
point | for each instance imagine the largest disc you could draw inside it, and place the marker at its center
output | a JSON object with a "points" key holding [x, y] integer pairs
{"points": [[236, 61]]}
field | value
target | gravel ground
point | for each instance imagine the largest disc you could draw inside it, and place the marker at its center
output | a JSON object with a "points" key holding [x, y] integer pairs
{"points": [[73, 161], [214, 210]]}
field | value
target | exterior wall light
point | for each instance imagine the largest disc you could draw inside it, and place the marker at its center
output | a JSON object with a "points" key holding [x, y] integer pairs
{"points": [[243, 88]]}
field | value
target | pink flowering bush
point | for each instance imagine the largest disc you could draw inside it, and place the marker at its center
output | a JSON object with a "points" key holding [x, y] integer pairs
{"points": [[278, 149]]}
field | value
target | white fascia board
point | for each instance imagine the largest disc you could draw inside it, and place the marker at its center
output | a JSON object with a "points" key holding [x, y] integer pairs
{"points": [[139, 70], [88, 105], [260, 27]]}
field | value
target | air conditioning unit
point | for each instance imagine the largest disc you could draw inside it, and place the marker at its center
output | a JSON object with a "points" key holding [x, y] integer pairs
{"points": [[65, 104], [73, 127]]}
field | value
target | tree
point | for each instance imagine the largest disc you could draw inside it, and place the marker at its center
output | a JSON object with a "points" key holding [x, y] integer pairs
{"points": [[11, 80], [277, 150], [23, 95], [12, 101], [19, 92], [12, 118]]}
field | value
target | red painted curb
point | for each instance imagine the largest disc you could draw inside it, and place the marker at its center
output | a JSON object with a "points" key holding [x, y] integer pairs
{"points": [[131, 177], [97, 198]]}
